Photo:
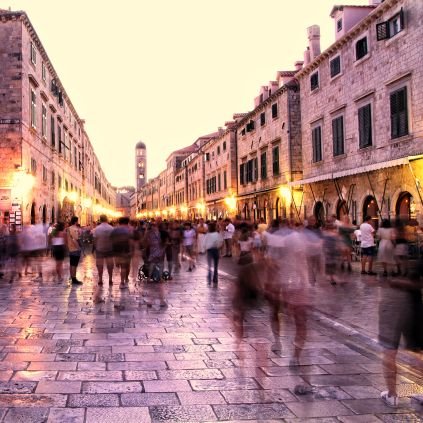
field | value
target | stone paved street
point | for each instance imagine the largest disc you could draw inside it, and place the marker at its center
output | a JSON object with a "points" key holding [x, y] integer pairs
{"points": [[79, 354]]}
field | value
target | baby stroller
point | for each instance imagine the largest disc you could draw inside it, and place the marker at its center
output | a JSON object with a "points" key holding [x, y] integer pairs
{"points": [[143, 273]]}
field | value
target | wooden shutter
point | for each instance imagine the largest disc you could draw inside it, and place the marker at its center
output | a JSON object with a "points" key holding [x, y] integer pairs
{"points": [[338, 136], [255, 169], [382, 31], [399, 115], [365, 125]]}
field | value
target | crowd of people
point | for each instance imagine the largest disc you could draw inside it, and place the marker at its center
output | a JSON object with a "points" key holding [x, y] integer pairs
{"points": [[278, 264]]}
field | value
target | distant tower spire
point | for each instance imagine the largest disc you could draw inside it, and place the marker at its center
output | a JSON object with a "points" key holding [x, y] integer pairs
{"points": [[140, 164]]}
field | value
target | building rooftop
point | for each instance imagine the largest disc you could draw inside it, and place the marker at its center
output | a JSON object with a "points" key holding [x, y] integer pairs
{"points": [[140, 144], [341, 7]]}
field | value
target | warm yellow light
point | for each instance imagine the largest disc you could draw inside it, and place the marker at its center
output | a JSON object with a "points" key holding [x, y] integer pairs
{"points": [[184, 209], [285, 193], [172, 210], [200, 206], [230, 203], [87, 203], [157, 213], [62, 194], [22, 184], [73, 196], [98, 209]]}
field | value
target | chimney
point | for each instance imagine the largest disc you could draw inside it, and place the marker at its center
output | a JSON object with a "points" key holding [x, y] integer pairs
{"points": [[298, 65], [313, 33], [307, 56]]}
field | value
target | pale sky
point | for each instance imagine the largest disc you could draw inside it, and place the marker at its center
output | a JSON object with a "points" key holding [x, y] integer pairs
{"points": [[168, 71]]}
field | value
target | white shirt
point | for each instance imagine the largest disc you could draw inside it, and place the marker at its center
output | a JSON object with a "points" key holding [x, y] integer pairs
{"points": [[367, 238], [229, 231], [189, 236]]}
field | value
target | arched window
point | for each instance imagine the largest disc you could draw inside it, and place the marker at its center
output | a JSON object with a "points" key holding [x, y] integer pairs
{"points": [[319, 213]]}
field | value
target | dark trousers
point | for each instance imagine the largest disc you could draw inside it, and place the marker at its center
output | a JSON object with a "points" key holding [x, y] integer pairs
{"points": [[212, 258]]}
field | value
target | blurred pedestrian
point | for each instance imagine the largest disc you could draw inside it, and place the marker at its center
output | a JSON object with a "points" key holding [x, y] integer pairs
{"points": [[212, 243], [189, 237], [201, 233], [73, 243], [386, 249], [400, 315], [13, 250], [227, 236], [121, 237], [58, 247], [103, 248]]}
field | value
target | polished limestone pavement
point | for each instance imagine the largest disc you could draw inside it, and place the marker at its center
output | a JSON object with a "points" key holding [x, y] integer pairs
{"points": [[102, 354]]}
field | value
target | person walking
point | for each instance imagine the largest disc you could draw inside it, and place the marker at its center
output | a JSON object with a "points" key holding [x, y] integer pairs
{"points": [[58, 248], [385, 254], [72, 235], [227, 236], [103, 248], [188, 242], [367, 246], [121, 237], [201, 233], [212, 244]]}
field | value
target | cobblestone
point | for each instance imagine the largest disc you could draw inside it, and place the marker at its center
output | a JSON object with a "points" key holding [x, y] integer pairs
{"points": [[64, 358]]}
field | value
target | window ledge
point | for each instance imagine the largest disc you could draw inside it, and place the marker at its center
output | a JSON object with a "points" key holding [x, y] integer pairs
{"points": [[395, 37], [316, 90], [362, 59], [404, 138], [366, 148], [338, 75], [340, 156]]}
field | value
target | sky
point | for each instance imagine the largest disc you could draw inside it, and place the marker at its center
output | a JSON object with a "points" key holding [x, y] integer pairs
{"points": [[168, 71]]}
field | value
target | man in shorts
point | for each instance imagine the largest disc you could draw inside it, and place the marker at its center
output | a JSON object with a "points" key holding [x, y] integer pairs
{"points": [[367, 246]]}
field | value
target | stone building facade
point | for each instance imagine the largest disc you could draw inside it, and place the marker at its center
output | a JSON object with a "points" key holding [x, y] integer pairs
{"points": [[48, 170], [220, 174], [361, 114], [194, 167], [269, 152]]}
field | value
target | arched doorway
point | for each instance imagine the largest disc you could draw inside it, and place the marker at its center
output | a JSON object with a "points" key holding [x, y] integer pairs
{"points": [[371, 209], [44, 214], [33, 214], [341, 210], [319, 213], [403, 206]]}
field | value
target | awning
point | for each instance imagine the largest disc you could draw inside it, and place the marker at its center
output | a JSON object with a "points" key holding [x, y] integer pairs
{"points": [[353, 171]]}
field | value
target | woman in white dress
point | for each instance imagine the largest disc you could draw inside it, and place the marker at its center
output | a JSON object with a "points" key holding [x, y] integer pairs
{"points": [[385, 254]]}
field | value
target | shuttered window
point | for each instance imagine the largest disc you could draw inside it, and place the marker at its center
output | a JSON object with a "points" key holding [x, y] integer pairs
{"points": [[399, 114], [361, 48], [314, 81], [255, 166], [53, 135], [316, 139], [274, 110], [335, 66], [262, 119], [275, 160], [241, 173], [263, 165], [338, 135], [365, 125]]}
